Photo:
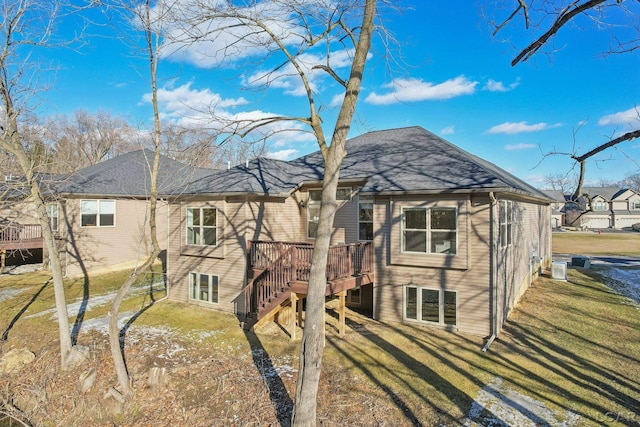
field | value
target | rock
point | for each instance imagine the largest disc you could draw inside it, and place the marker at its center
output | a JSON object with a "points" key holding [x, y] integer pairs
{"points": [[15, 359], [157, 377], [87, 378]]}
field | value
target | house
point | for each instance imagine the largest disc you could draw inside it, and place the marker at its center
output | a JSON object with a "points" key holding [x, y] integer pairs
{"points": [[605, 207], [425, 233], [99, 214]]}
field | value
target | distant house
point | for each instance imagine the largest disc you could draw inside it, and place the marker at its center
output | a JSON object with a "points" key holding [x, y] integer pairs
{"points": [[604, 207], [425, 233]]}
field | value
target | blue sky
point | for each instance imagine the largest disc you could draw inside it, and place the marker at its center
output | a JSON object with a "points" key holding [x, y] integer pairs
{"points": [[456, 81]]}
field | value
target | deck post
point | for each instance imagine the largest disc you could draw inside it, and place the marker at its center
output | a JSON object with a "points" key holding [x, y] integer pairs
{"points": [[341, 313], [300, 313], [294, 309], [3, 255]]}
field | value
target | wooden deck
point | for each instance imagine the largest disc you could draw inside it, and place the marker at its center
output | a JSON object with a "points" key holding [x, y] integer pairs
{"points": [[278, 269], [21, 236]]}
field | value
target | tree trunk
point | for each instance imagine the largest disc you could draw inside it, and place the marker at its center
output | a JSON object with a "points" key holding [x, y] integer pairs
{"points": [[311, 348]]}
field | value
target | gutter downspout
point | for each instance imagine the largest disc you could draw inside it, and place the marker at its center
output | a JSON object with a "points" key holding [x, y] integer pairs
{"points": [[492, 280]]}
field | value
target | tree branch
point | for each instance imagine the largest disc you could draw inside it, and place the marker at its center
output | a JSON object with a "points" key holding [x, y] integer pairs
{"points": [[626, 137], [564, 17]]}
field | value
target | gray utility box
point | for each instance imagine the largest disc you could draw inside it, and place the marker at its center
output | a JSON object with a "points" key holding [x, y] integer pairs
{"points": [[580, 261]]}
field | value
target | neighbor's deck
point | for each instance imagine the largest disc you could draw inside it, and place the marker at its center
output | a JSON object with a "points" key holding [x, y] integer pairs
{"points": [[21, 236]]}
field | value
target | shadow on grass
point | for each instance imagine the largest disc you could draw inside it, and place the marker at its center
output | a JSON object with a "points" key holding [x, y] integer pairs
{"points": [[278, 393], [5, 334], [152, 301]]}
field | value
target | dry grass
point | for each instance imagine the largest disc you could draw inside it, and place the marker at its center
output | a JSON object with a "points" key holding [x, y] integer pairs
{"points": [[592, 243], [572, 345]]}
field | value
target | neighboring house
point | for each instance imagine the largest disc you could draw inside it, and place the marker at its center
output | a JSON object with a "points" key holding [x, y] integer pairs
{"points": [[102, 211], [557, 207], [605, 207], [99, 214], [425, 233]]}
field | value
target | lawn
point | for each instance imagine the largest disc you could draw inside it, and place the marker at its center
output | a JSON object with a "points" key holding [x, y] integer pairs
{"points": [[592, 243], [573, 346]]}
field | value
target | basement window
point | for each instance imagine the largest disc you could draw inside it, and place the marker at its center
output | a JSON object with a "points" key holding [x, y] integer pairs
{"points": [[435, 306], [203, 287]]}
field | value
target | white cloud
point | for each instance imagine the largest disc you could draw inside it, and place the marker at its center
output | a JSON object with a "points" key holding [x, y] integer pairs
{"points": [[449, 130], [414, 90], [283, 154], [190, 107], [222, 41], [521, 146], [630, 117], [520, 127], [495, 86], [288, 79]]}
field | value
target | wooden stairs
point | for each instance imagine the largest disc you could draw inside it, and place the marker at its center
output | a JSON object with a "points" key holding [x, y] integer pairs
{"points": [[276, 269]]}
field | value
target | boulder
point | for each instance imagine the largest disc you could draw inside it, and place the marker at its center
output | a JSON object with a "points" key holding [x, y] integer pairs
{"points": [[15, 359]]}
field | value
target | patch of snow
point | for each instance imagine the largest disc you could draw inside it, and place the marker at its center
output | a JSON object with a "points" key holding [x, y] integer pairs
{"points": [[6, 294], [624, 281], [503, 407]]}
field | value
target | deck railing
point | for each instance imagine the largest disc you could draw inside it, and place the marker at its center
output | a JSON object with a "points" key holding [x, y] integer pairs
{"points": [[281, 263], [15, 233]]}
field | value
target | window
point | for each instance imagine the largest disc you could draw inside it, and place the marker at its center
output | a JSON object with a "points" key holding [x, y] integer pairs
{"points": [[506, 222], [432, 230], [431, 305], [342, 194], [202, 228], [635, 205], [52, 213], [98, 213], [314, 197], [365, 218], [599, 205], [354, 296], [203, 287]]}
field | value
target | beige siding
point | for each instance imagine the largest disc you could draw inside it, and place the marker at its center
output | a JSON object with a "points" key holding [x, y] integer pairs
{"points": [[239, 221], [20, 212], [90, 248], [469, 278], [518, 264]]}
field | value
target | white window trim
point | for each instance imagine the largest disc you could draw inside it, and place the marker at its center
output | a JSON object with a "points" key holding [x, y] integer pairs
{"points": [[99, 202], [202, 227], [600, 203], [634, 205], [50, 208], [418, 318], [368, 200], [210, 290], [427, 230], [508, 222]]}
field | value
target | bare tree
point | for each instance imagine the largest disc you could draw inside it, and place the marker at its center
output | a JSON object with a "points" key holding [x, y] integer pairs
{"points": [[285, 31], [146, 21], [620, 17], [25, 27], [631, 181], [85, 139], [560, 182]]}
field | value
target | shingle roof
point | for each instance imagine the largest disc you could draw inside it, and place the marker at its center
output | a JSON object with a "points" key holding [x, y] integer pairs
{"points": [[406, 160], [413, 159], [129, 175]]}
